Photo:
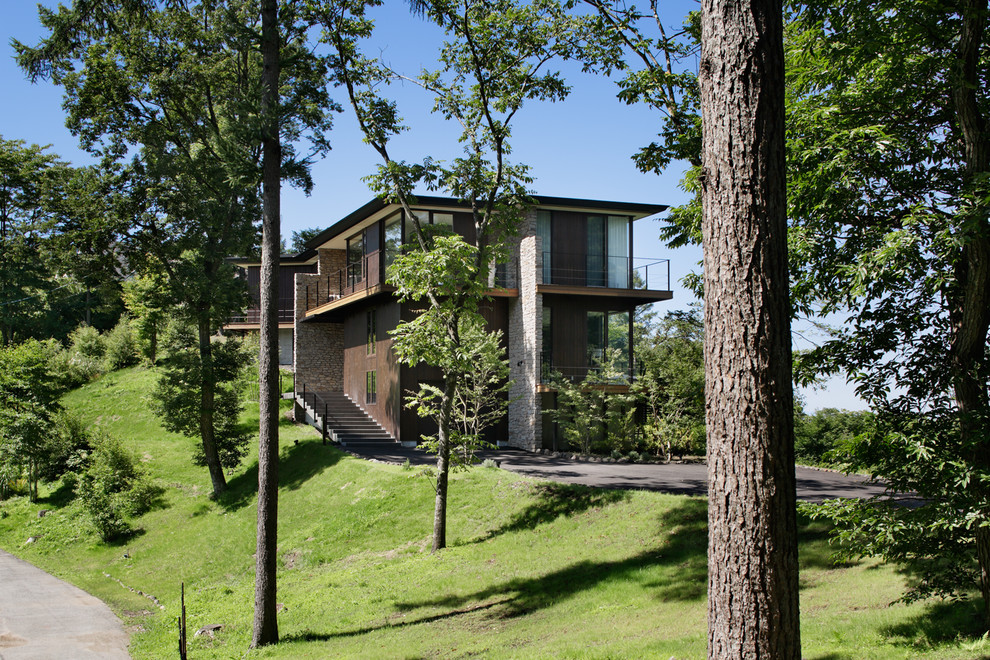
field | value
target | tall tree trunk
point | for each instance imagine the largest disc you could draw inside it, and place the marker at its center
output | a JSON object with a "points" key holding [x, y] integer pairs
{"points": [[443, 464], [970, 313], [752, 546], [265, 614], [207, 407]]}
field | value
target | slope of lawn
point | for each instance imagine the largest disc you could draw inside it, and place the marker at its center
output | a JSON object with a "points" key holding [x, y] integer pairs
{"points": [[534, 569]]}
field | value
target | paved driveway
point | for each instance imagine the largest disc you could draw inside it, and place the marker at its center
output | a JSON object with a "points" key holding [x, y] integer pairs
{"points": [[680, 478], [44, 618]]}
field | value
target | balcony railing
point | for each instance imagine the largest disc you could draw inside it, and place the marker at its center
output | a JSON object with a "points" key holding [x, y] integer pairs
{"points": [[360, 276], [606, 271], [286, 313], [577, 373]]}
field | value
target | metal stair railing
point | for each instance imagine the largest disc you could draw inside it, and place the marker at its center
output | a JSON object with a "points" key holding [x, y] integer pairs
{"points": [[317, 402]]}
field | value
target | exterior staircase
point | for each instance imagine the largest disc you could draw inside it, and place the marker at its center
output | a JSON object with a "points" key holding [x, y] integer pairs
{"points": [[343, 421]]}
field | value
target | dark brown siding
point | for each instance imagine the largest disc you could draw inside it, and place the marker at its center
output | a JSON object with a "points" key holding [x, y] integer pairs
{"points": [[569, 240], [464, 225], [357, 363]]}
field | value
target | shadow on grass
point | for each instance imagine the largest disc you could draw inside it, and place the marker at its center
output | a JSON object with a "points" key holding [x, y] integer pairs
{"points": [[61, 496], [554, 500], [942, 623], [814, 548], [682, 553], [298, 464]]}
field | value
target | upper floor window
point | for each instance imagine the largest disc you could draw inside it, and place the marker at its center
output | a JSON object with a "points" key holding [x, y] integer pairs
{"points": [[355, 259], [393, 238], [543, 230], [432, 222], [372, 342]]}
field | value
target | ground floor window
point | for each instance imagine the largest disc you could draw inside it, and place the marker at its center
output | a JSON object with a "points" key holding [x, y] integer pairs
{"points": [[371, 387]]}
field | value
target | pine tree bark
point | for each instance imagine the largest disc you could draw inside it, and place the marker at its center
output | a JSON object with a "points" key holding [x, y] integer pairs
{"points": [[752, 546], [970, 294], [207, 407], [265, 610]]}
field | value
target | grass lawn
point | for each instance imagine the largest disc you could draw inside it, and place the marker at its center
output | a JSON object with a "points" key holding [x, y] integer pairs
{"points": [[534, 569]]}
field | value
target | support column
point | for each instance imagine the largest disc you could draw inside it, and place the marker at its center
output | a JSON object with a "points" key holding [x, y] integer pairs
{"points": [[526, 342]]}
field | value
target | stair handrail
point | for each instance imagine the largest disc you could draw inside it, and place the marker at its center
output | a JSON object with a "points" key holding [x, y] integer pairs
{"points": [[317, 399]]}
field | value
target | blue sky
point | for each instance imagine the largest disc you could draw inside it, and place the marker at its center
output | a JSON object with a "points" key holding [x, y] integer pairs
{"points": [[578, 148]]}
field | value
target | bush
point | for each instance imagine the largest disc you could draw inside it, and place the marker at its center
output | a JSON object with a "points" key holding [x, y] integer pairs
{"points": [[113, 487], [68, 447], [87, 342], [121, 346]]}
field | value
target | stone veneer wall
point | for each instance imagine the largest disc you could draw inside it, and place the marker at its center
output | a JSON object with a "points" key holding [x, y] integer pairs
{"points": [[526, 341], [319, 347]]}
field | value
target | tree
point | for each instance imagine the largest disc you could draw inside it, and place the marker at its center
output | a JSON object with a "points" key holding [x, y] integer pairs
{"points": [[828, 435], [752, 576], [889, 182], [482, 399], [29, 181], [495, 61], [302, 237], [672, 384], [586, 413], [144, 298], [176, 397], [265, 628], [29, 392], [177, 86]]}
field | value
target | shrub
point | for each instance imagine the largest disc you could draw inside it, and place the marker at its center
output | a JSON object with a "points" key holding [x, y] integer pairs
{"points": [[634, 457], [87, 342], [67, 448], [121, 346], [113, 487]]}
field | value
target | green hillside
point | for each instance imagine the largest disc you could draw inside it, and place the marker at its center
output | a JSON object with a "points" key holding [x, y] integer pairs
{"points": [[533, 569]]}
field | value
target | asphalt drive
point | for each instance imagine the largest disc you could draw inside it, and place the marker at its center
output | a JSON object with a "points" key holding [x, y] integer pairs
{"points": [[44, 618], [813, 485]]}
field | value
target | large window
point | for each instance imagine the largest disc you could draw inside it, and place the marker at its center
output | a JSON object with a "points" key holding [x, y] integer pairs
{"points": [[547, 357], [595, 274], [608, 262], [432, 222], [608, 330], [618, 252]]}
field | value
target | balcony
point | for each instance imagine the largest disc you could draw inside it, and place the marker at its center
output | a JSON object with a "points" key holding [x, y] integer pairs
{"points": [[366, 276], [252, 316], [576, 373], [569, 273]]}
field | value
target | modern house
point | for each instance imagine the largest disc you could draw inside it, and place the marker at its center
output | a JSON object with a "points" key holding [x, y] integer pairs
{"points": [[567, 294]]}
